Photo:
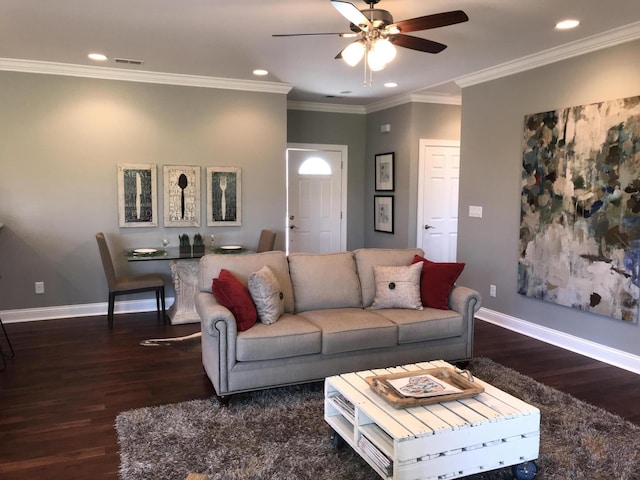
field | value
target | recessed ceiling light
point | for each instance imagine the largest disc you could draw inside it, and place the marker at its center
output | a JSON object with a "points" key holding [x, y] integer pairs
{"points": [[567, 24], [260, 72], [98, 57], [391, 84]]}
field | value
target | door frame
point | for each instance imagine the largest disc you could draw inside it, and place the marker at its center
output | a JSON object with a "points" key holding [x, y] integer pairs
{"points": [[344, 151], [424, 143]]}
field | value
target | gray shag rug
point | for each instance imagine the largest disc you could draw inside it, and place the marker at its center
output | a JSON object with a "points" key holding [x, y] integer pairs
{"points": [[281, 434]]}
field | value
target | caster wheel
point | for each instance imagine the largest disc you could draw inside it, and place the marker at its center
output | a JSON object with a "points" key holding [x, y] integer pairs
{"points": [[336, 440], [525, 471]]}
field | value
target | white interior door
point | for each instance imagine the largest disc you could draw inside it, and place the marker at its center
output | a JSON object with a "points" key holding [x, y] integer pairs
{"points": [[316, 199], [439, 175]]}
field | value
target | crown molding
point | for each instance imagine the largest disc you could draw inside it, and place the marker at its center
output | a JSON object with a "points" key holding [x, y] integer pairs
{"points": [[325, 107], [611, 38], [141, 76], [439, 98]]}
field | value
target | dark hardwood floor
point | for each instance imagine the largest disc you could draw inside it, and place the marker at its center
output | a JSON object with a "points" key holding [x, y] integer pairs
{"points": [[70, 378]]}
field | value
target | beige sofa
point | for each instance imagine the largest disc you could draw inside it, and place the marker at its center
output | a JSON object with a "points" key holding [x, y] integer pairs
{"points": [[327, 327]]}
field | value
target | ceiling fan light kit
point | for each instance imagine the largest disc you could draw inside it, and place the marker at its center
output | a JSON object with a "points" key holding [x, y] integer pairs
{"points": [[379, 35], [353, 53]]}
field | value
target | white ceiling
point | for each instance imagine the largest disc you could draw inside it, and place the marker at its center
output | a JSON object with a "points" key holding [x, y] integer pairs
{"points": [[228, 39]]}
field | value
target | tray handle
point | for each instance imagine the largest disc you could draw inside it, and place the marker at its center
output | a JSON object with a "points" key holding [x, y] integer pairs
{"points": [[462, 372], [380, 385]]}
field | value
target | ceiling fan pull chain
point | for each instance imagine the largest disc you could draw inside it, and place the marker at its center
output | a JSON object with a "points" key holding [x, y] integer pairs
{"points": [[364, 73]]}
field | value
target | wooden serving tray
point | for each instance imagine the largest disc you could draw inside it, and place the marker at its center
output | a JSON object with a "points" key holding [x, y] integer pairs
{"points": [[448, 375]]}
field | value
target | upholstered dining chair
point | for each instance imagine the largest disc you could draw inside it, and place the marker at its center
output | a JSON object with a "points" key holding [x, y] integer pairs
{"points": [[125, 284], [267, 240]]}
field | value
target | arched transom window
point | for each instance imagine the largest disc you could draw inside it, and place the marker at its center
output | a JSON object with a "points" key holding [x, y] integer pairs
{"points": [[314, 166]]}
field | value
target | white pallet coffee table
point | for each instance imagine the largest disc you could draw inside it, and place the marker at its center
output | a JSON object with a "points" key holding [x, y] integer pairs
{"points": [[439, 441]]}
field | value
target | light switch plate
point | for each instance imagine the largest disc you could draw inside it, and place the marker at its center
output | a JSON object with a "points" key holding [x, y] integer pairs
{"points": [[475, 211]]}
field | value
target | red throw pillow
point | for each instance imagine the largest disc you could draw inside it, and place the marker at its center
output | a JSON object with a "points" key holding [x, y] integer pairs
{"points": [[231, 293], [436, 281]]}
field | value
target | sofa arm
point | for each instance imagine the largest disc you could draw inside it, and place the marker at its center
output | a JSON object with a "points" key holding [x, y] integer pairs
{"points": [[466, 302], [211, 312], [219, 333]]}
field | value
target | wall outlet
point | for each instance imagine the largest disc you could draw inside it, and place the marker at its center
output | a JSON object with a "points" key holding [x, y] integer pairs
{"points": [[492, 290], [39, 287]]}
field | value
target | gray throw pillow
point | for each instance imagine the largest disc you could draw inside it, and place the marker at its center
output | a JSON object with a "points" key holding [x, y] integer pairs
{"points": [[266, 294], [397, 287]]}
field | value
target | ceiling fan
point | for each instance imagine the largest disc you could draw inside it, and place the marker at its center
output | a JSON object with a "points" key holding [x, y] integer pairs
{"points": [[377, 34]]}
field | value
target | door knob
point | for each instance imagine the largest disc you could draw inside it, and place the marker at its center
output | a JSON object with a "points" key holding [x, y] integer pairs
{"points": [[427, 227]]}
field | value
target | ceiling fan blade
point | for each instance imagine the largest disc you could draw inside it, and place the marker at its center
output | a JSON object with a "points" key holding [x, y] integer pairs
{"points": [[341, 34], [351, 13], [417, 43], [430, 21]]}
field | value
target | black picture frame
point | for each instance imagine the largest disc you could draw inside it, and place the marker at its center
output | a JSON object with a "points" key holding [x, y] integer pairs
{"points": [[385, 172], [383, 213]]}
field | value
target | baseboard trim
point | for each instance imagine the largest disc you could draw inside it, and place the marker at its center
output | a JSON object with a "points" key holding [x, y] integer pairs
{"points": [[602, 353], [83, 310]]}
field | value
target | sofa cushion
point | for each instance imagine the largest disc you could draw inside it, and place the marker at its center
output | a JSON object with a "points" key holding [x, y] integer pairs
{"points": [[436, 281], [231, 293], [351, 329], [397, 287], [242, 265], [267, 295], [367, 258], [290, 336], [428, 324], [324, 281]]}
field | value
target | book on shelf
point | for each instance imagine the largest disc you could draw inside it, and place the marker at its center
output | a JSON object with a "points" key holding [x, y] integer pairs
{"points": [[344, 404], [376, 455]]}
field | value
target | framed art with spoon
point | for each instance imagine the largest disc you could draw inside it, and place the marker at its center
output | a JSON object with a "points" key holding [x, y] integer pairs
{"points": [[181, 195], [224, 196]]}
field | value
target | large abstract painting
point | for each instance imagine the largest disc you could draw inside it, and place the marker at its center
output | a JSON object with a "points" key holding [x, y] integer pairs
{"points": [[580, 209]]}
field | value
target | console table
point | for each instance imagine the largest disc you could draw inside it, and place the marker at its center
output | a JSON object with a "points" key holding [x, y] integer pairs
{"points": [[184, 273]]}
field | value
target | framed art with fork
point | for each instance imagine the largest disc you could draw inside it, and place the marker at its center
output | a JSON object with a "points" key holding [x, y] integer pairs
{"points": [[224, 196]]}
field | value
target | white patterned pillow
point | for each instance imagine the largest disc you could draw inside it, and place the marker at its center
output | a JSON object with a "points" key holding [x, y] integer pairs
{"points": [[397, 287], [267, 295]]}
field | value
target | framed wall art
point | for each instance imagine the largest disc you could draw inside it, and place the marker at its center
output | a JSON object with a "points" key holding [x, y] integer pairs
{"points": [[383, 213], [580, 208], [181, 195], [137, 195], [224, 196], [385, 172]]}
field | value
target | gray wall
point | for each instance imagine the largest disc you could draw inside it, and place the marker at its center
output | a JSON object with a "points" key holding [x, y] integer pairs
{"points": [[409, 123], [491, 159], [60, 141], [338, 129]]}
